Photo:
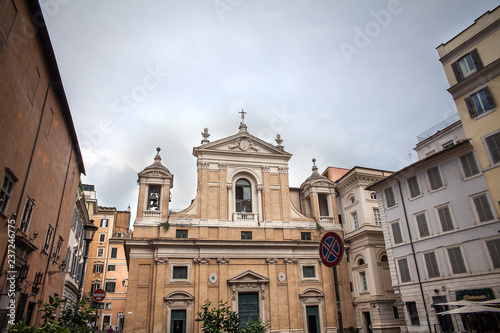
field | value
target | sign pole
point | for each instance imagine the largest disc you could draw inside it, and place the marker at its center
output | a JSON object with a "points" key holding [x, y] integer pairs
{"points": [[339, 310], [96, 314], [331, 251]]}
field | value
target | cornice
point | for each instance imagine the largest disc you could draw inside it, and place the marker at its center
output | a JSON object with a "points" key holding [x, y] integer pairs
{"points": [[469, 43], [475, 80]]}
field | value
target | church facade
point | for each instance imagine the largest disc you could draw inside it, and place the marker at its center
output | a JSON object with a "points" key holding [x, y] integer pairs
{"points": [[247, 239]]}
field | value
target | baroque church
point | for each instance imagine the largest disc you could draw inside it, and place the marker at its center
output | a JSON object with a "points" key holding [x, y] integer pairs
{"points": [[247, 239]]}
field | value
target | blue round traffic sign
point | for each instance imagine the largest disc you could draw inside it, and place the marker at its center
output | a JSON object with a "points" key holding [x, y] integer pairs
{"points": [[331, 249]]}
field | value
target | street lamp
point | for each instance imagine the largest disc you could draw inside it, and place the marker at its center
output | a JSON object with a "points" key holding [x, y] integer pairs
{"points": [[89, 230]]}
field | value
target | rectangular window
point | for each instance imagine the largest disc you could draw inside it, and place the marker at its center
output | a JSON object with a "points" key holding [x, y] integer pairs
{"points": [[467, 65], [456, 260], [180, 272], [469, 165], [57, 253], [435, 180], [27, 213], [114, 252], [68, 259], [104, 223], [74, 264], [246, 235], [447, 144], [95, 286], [110, 286], [431, 264], [493, 143], [308, 272], [413, 187], [6, 191], [102, 238], [48, 237], [397, 236], [97, 268], [111, 268], [483, 208], [413, 313], [107, 306], [404, 270], [305, 236], [445, 218], [100, 252], [423, 228], [181, 233], [494, 250], [354, 219], [376, 216], [389, 197], [362, 281], [480, 102]]}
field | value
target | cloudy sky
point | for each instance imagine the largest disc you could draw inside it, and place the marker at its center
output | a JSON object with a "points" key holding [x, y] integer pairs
{"points": [[347, 82]]}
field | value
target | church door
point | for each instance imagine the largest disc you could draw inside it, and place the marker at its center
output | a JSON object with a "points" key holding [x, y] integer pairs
{"points": [[178, 321], [312, 319]]}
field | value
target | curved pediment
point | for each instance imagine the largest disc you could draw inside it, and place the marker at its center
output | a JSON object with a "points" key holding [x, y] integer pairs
{"points": [[179, 295], [311, 292]]}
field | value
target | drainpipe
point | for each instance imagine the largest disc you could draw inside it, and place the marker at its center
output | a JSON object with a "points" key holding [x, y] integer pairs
{"points": [[414, 257]]}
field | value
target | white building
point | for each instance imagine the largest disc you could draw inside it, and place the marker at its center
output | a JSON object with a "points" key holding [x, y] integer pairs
{"points": [[441, 233], [372, 292], [75, 252]]}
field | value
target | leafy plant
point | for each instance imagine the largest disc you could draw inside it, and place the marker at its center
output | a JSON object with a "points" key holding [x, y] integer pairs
{"points": [[351, 329], [71, 320], [221, 319]]}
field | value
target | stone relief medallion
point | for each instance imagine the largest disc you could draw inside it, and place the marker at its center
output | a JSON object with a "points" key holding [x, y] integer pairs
{"points": [[213, 278], [244, 144], [281, 277]]}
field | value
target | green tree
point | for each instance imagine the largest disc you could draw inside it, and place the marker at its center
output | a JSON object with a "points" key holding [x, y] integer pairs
{"points": [[221, 319], [71, 320]]}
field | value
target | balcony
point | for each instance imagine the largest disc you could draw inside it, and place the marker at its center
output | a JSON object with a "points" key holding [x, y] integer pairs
{"points": [[152, 214], [245, 217], [326, 220]]}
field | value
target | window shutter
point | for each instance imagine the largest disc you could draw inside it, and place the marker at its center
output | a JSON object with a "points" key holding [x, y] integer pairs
{"points": [[94, 268], [489, 97], [477, 60], [457, 71], [470, 107]]}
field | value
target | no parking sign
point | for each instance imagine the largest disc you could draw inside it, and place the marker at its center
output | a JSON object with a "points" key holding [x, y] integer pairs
{"points": [[331, 249]]}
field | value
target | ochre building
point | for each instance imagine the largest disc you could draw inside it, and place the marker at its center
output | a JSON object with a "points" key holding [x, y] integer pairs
{"points": [[246, 239]]}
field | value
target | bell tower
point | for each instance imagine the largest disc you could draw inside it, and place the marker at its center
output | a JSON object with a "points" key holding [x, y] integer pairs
{"points": [[155, 182]]}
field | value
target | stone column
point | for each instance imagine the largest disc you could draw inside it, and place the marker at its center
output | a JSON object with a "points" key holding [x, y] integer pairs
{"points": [[330, 206], [159, 287], [259, 201], [230, 202]]}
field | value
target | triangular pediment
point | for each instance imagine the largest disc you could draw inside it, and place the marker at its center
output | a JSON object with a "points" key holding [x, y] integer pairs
{"points": [[248, 277], [241, 143]]}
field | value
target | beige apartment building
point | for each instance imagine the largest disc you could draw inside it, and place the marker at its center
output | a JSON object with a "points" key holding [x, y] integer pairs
{"points": [[471, 61], [247, 239], [106, 265]]}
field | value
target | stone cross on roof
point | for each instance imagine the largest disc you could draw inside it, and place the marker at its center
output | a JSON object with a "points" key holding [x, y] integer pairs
{"points": [[243, 113]]}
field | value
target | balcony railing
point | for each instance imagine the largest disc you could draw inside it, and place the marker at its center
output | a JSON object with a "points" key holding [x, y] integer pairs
{"points": [[326, 220], [249, 217], [152, 214]]}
